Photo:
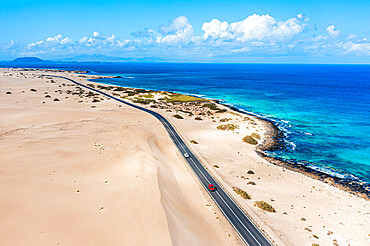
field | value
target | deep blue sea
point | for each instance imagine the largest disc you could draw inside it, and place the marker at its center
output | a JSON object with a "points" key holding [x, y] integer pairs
{"points": [[324, 110]]}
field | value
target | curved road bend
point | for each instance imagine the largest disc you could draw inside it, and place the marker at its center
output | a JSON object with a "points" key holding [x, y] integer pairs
{"points": [[250, 234]]}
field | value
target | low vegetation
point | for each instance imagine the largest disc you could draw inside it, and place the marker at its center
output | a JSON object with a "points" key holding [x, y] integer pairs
{"points": [[177, 116], [211, 106], [216, 166], [250, 140], [242, 193], [148, 96], [102, 87], [142, 100], [34, 90], [183, 98], [221, 111], [95, 100], [256, 136], [228, 127], [231, 112], [225, 119], [186, 112], [193, 142], [119, 89], [198, 118], [264, 206]]}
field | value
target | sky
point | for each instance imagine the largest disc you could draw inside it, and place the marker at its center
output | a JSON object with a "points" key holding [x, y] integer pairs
{"points": [[189, 30]]}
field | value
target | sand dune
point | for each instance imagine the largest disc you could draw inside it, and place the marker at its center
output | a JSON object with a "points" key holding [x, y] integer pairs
{"points": [[76, 175], [75, 172]]}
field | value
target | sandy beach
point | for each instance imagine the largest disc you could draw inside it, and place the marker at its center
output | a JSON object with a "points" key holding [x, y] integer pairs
{"points": [[80, 169]]}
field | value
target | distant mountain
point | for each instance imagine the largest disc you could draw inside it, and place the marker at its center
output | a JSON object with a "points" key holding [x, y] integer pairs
{"points": [[29, 60], [104, 58]]}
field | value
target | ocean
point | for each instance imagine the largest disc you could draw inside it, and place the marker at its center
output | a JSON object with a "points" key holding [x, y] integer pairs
{"points": [[323, 110]]}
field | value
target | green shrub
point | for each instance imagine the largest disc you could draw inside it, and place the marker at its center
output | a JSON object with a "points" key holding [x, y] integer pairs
{"points": [[225, 119], [242, 193], [186, 112], [256, 136], [177, 116], [130, 93], [142, 101], [193, 142], [216, 166], [228, 127], [211, 106], [183, 98], [140, 91], [119, 89], [102, 87], [198, 118], [148, 96], [34, 90], [95, 100], [221, 111], [264, 206], [250, 140]]}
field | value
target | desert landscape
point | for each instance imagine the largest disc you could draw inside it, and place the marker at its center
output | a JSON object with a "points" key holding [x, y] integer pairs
{"points": [[80, 168]]}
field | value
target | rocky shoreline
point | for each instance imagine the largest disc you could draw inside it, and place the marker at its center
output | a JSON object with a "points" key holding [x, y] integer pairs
{"points": [[275, 141]]}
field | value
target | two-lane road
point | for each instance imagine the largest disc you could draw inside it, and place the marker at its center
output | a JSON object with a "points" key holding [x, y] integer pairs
{"points": [[250, 234]]}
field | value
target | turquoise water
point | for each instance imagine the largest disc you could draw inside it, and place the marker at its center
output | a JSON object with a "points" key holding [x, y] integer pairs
{"points": [[323, 110]]}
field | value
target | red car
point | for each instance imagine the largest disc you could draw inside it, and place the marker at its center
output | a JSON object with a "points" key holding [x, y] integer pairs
{"points": [[211, 187]]}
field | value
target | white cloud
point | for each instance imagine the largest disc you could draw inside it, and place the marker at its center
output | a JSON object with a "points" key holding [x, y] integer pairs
{"points": [[332, 32], [177, 32], [178, 23], [256, 35], [360, 48], [254, 27]]}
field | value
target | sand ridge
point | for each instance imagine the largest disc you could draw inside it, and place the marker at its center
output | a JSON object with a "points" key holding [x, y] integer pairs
{"points": [[307, 211], [73, 174]]}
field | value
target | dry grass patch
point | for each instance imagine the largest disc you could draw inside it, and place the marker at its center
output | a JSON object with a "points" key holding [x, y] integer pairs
{"points": [[256, 136], [177, 116], [228, 127], [250, 140], [183, 98], [242, 193], [225, 119], [265, 206]]}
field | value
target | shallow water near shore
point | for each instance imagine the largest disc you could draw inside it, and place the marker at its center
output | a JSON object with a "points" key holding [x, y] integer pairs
{"points": [[323, 110]]}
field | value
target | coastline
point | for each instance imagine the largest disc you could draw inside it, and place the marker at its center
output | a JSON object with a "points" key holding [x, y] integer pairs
{"points": [[294, 195], [275, 140]]}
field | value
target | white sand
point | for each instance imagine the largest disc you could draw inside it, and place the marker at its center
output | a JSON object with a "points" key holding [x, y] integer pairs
{"points": [[151, 196], [76, 175]]}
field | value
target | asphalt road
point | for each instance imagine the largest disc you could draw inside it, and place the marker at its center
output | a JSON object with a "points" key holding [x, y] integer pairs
{"points": [[250, 234]]}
